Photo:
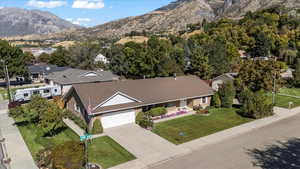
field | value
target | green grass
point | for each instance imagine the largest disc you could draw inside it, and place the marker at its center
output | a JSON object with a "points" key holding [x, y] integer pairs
{"points": [[290, 91], [106, 152], [35, 143], [283, 101], [196, 126]]}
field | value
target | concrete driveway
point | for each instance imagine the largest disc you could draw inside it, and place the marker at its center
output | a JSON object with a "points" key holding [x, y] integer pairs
{"points": [[148, 147]]}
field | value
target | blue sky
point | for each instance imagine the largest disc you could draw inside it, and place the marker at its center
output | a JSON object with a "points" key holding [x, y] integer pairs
{"points": [[89, 12]]}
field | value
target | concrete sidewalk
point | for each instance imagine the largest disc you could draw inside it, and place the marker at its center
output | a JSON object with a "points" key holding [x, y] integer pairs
{"points": [[16, 148], [71, 124], [189, 147]]}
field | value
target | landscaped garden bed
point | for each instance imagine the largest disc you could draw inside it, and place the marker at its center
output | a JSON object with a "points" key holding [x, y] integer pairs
{"points": [[170, 115], [188, 128]]}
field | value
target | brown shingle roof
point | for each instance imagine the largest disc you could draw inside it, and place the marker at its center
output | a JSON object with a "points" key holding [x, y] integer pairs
{"points": [[147, 91]]}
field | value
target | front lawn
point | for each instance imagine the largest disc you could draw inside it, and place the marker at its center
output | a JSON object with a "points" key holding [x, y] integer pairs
{"points": [[290, 91], [188, 128], [106, 152], [283, 101], [35, 143]]}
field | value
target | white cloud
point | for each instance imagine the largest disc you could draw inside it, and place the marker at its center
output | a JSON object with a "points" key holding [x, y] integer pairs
{"points": [[79, 21], [46, 4], [88, 4]]}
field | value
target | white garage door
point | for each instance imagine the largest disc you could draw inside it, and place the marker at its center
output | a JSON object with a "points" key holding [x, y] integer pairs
{"points": [[118, 118]]}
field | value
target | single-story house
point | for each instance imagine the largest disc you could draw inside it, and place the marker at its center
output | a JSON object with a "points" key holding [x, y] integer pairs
{"points": [[118, 102], [38, 72], [220, 80], [69, 77]]}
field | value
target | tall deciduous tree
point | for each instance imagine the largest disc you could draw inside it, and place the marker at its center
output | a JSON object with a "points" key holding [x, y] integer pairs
{"points": [[14, 58], [200, 65]]}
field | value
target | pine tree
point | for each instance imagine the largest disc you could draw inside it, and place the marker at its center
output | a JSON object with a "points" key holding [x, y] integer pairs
{"points": [[227, 94], [216, 102]]}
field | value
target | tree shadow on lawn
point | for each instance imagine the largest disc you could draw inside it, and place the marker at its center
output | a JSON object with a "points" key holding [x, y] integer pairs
{"points": [[283, 155]]}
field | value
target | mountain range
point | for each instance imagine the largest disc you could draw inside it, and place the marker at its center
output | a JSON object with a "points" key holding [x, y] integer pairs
{"points": [[20, 22], [170, 18]]}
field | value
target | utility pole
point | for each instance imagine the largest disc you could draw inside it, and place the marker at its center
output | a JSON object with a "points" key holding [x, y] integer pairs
{"points": [[6, 79], [274, 89]]}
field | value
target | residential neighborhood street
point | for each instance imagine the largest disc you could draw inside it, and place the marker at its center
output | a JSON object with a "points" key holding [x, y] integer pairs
{"points": [[265, 148]]}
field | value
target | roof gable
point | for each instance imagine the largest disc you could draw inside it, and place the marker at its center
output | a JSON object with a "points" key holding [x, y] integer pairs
{"points": [[117, 99]]}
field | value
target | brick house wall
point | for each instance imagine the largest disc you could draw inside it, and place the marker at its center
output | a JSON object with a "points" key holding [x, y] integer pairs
{"points": [[71, 101], [199, 102]]}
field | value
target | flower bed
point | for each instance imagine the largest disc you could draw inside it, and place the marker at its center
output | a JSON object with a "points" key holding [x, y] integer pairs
{"points": [[170, 115]]}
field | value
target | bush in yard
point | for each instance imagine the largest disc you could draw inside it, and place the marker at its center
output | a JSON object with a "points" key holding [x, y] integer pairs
{"points": [[44, 158], [197, 108], [227, 94], [13, 105], [69, 155], [17, 113], [97, 127], [158, 111], [216, 101], [203, 111], [256, 105], [144, 120]]}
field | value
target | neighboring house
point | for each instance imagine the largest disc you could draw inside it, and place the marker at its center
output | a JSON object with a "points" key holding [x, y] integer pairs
{"points": [[101, 58], [70, 76], [220, 80], [117, 103], [38, 72]]}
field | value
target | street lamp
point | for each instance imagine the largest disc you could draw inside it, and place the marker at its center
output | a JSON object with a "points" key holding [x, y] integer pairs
{"points": [[5, 69]]}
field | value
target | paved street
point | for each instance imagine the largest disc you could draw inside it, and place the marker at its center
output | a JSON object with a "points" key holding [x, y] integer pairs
{"points": [[276, 146]]}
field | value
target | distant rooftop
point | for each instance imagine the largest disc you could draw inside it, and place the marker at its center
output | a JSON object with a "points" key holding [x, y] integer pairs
{"points": [[45, 68], [76, 76]]}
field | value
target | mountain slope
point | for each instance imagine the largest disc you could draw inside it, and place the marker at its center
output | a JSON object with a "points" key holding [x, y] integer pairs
{"points": [[175, 16], [19, 22]]}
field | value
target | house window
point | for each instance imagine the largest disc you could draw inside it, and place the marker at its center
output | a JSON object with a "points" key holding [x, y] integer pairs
{"points": [[36, 92], [172, 104], [77, 108], [204, 100]]}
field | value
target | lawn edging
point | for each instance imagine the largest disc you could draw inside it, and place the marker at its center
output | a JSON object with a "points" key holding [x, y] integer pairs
{"points": [[279, 114]]}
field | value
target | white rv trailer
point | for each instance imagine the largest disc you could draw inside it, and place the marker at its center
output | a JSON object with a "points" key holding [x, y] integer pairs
{"points": [[22, 95]]}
